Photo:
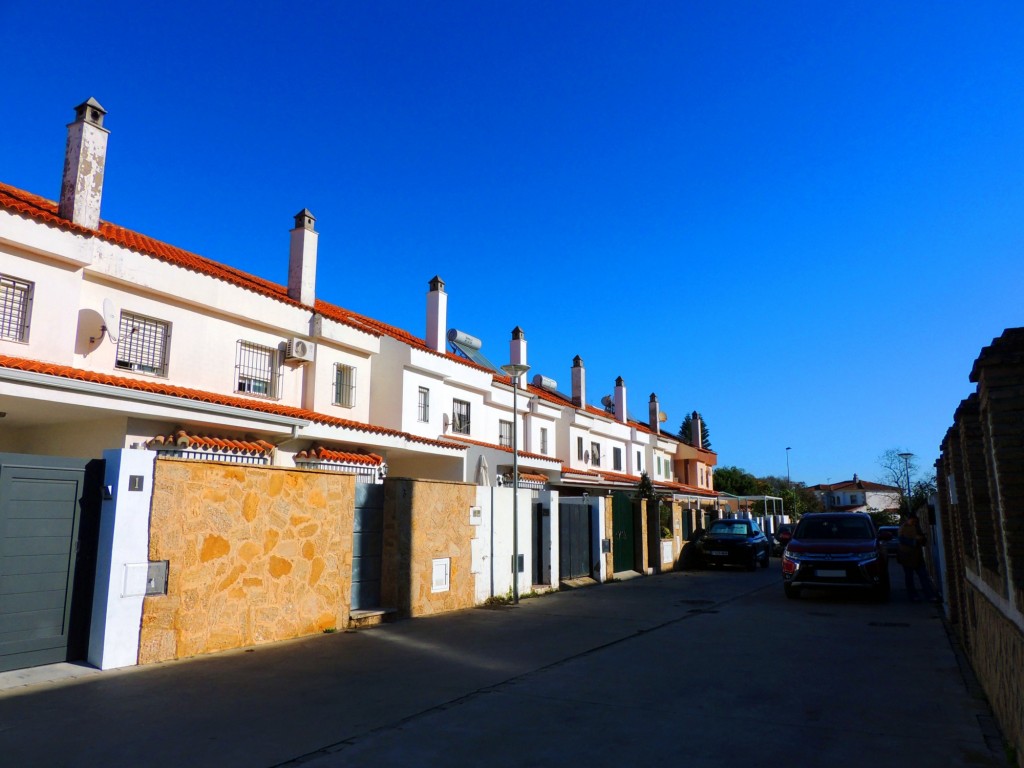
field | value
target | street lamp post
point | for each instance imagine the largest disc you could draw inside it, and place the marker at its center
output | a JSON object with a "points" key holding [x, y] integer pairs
{"points": [[788, 481], [906, 463], [515, 370]]}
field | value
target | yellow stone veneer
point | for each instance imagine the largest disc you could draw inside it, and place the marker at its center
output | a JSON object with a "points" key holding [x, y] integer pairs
{"points": [[257, 554]]}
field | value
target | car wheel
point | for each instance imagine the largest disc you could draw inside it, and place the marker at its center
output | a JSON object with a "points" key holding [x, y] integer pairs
{"points": [[791, 592]]}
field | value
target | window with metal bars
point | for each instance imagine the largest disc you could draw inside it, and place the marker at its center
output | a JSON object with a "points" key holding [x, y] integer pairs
{"points": [[460, 417], [256, 370], [15, 306], [142, 344], [344, 385], [505, 434], [544, 440], [423, 410]]}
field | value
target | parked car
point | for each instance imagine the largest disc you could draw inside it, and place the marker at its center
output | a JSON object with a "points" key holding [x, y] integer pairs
{"points": [[835, 550], [734, 541], [889, 536], [781, 538]]}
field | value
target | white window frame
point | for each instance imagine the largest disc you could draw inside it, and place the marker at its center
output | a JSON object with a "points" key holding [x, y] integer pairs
{"points": [[344, 385], [505, 433], [595, 454], [616, 459], [423, 405], [461, 422], [544, 440], [143, 344], [256, 369], [15, 308]]}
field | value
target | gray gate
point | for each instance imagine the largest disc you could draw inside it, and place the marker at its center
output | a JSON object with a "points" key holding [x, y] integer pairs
{"points": [[367, 546], [49, 514], [574, 556]]}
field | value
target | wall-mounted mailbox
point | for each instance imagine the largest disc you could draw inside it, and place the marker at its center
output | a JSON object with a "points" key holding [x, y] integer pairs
{"points": [[135, 482], [476, 516], [606, 546], [156, 577], [520, 563]]}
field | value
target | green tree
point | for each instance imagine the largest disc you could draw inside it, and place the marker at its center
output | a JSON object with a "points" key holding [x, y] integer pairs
{"points": [[645, 488], [686, 437]]}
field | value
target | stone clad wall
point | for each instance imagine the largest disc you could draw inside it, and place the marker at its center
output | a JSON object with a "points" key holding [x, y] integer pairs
{"points": [[981, 507], [425, 520], [257, 554]]}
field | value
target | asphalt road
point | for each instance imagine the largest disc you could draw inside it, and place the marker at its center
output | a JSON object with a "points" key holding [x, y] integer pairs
{"points": [[696, 669]]}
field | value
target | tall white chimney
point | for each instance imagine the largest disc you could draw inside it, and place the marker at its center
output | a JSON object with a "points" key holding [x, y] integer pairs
{"points": [[81, 189], [620, 400], [579, 383], [302, 259], [654, 414], [517, 351], [437, 315], [696, 430]]}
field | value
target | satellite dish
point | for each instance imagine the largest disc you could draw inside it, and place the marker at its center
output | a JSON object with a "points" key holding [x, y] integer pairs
{"points": [[586, 457], [662, 416], [606, 401], [110, 320]]}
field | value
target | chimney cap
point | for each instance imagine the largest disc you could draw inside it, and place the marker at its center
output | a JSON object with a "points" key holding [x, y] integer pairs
{"points": [[619, 382], [437, 284], [577, 362], [304, 219], [91, 112], [517, 333]]}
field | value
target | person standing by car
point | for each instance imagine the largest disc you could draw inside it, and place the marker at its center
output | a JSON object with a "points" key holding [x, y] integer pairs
{"points": [[911, 557]]}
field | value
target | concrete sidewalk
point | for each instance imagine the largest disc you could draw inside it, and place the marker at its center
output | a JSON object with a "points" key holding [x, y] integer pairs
{"points": [[379, 695]]}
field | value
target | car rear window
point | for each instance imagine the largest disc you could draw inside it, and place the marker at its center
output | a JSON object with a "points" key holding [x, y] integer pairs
{"points": [[834, 528], [739, 529]]}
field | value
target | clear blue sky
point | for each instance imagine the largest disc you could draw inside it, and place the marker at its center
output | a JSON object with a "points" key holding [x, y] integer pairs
{"points": [[803, 219]]}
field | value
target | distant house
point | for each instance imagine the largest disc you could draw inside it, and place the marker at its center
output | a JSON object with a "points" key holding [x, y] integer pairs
{"points": [[857, 495]]}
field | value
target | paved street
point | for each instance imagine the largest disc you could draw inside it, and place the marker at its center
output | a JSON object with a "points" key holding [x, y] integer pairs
{"points": [[696, 668]]}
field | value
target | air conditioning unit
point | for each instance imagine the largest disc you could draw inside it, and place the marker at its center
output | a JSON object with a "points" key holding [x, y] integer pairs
{"points": [[299, 349]]}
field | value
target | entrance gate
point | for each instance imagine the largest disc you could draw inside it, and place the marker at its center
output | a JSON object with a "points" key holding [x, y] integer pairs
{"points": [[574, 558], [49, 520], [367, 546], [623, 529]]}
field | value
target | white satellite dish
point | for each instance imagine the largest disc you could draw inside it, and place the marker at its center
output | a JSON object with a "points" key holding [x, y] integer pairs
{"points": [[110, 320]]}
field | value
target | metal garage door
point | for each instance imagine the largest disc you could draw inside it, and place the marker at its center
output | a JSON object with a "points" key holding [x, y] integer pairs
{"points": [[42, 500], [574, 558], [367, 546]]}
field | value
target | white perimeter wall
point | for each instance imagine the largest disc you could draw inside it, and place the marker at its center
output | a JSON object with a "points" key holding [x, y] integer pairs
{"points": [[121, 561]]}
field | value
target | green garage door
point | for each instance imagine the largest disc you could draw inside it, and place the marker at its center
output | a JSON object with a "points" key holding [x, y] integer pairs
{"points": [[40, 517]]}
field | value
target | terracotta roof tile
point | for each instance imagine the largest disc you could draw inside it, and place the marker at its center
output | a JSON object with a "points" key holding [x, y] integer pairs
{"points": [[320, 453], [539, 456], [182, 439], [160, 388]]}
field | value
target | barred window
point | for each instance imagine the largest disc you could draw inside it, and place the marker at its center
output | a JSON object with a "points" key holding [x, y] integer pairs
{"points": [[460, 417], [15, 306], [344, 385], [256, 369], [142, 344], [505, 434], [544, 440], [423, 410], [595, 454]]}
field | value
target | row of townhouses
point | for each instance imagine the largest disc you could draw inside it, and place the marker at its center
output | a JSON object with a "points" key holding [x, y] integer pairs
{"points": [[153, 400]]}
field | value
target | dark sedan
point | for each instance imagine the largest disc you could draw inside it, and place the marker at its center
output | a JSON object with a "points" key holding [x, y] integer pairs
{"points": [[734, 542], [835, 550]]}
